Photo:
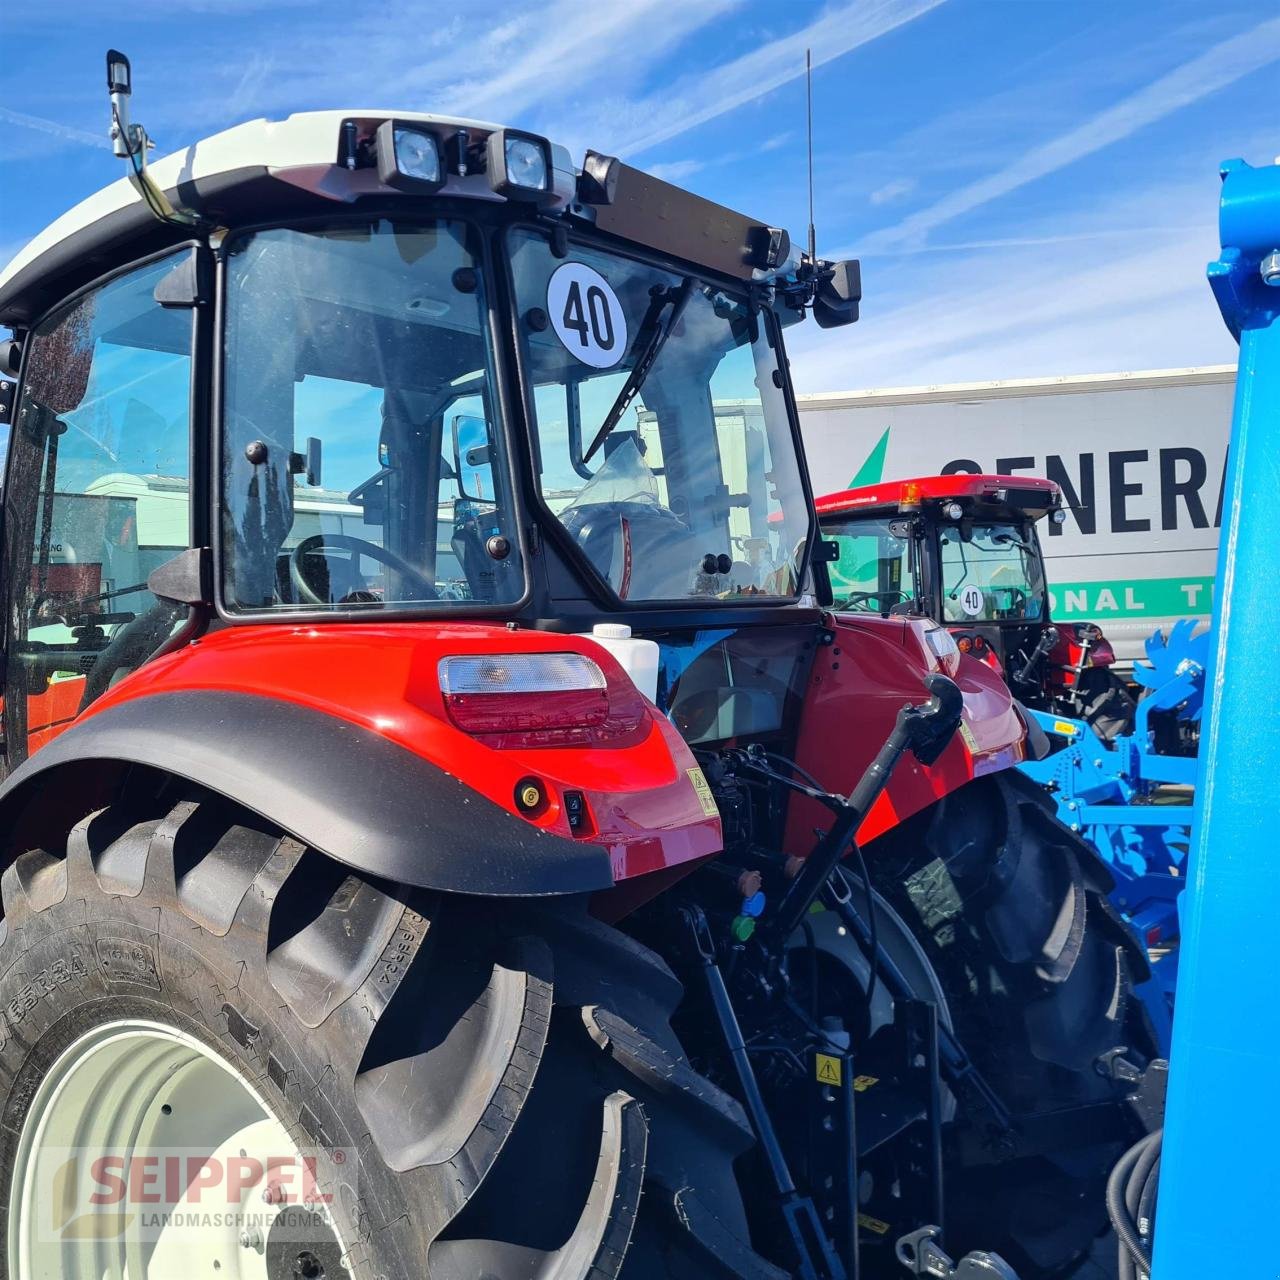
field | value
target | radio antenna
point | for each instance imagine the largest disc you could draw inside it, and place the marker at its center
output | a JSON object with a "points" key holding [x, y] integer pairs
{"points": [[808, 89]]}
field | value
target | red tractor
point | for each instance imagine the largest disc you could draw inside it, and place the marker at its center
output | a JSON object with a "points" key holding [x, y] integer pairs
{"points": [[449, 858], [963, 549]]}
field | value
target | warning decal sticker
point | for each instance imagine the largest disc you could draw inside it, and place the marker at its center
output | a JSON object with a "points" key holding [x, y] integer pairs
{"points": [[703, 790], [828, 1069]]}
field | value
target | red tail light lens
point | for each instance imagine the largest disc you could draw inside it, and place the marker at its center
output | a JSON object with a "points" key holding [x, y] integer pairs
{"points": [[1102, 654], [513, 700]]}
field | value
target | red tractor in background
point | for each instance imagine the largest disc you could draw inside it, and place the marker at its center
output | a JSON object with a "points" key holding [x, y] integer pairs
{"points": [[963, 549], [482, 806]]}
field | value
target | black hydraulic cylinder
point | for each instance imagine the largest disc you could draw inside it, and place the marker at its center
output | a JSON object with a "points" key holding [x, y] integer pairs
{"points": [[723, 1006], [1048, 638], [925, 730]]}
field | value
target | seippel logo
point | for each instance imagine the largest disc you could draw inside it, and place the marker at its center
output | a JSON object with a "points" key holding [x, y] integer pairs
{"points": [[169, 1197]]}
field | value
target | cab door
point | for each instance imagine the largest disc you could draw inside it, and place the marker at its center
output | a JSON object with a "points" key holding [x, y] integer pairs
{"points": [[97, 494]]}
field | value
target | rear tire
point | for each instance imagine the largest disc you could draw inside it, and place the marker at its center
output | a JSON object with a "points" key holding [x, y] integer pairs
{"points": [[1109, 707], [503, 1084], [1038, 970]]}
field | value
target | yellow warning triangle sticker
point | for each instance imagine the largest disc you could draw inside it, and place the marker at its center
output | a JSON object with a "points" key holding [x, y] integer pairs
{"points": [[828, 1069]]}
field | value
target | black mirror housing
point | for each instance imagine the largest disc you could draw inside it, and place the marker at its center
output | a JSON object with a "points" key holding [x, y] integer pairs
{"points": [[838, 296], [313, 457]]}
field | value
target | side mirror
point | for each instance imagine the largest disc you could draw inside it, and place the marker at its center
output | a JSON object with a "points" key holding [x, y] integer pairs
{"points": [[313, 457], [8, 393], [838, 296], [371, 497], [472, 458]]}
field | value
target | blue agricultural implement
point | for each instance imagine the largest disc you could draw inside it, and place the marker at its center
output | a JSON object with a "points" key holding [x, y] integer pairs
{"points": [[1134, 800], [1216, 1159]]}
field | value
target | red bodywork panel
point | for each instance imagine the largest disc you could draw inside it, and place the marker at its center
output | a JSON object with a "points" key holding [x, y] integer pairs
{"points": [[859, 684], [49, 713], [645, 799], [911, 492], [1069, 651], [641, 800]]}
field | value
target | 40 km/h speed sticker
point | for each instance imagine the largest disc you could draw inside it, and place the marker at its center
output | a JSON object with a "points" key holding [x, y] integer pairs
{"points": [[971, 601], [586, 315]]}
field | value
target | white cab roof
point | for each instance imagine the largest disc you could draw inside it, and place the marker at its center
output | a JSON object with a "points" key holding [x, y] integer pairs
{"points": [[301, 148]]}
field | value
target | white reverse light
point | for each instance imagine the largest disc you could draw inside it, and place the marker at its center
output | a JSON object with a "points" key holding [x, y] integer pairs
{"points": [[942, 643], [519, 673]]}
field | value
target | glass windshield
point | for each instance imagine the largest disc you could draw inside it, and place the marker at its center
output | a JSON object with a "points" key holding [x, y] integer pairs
{"points": [[875, 571], [994, 575], [662, 439], [362, 462]]}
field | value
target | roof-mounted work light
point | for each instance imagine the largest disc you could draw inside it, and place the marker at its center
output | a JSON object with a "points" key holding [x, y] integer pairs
{"points": [[409, 157], [520, 165], [129, 141], [127, 138], [119, 74]]}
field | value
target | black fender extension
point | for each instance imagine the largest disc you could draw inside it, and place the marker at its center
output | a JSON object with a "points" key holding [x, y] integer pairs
{"points": [[343, 789]]}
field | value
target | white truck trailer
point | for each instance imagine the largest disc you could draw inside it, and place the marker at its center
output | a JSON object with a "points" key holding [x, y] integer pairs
{"points": [[1140, 458]]}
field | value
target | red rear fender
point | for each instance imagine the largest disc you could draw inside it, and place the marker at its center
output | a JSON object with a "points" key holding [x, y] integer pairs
{"points": [[859, 683], [643, 798]]}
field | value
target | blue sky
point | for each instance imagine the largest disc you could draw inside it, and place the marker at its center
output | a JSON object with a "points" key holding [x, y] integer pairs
{"points": [[1031, 185]]}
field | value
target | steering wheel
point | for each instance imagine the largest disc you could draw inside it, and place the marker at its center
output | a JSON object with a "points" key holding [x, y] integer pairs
{"points": [[859, 596], [357, 547]]}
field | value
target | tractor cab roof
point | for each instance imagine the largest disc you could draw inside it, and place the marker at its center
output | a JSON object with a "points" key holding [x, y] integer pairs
{"points": [[318, 161], [1028, 496]]}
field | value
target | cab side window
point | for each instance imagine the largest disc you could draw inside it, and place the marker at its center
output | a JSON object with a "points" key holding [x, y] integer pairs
{"points": [[98, 496]]}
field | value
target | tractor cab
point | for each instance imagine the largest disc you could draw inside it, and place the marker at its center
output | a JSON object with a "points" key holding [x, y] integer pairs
{"points": [[452, 376], [427, 739], [963, 549]]}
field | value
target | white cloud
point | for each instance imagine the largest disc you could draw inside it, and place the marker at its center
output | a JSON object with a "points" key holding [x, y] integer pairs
{"points": [[1037, 315], [898, 189], [676, 170], [561, 50], [1217, 67], [1117, 286], [55, 129], [714, 91]]}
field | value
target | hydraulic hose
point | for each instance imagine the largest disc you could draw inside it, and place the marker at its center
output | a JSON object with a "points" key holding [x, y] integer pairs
{"points": [[1131, 1194]]}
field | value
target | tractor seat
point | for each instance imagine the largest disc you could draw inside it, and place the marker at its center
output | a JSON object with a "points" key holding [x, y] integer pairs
{"points": [[644, 551]]}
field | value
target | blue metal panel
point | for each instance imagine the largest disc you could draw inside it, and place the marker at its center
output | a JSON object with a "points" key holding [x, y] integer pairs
{"points": [[1219, 1179]]}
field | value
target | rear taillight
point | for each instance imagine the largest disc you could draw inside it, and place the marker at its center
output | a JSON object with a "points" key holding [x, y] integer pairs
{"points": [[536, 700], [1102, 654]]}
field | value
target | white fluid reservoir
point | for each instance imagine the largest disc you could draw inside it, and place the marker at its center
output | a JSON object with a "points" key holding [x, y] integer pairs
{"points": [[636, 656]]}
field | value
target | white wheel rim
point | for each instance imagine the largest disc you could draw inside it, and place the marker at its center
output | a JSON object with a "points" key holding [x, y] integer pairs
{"points": [[194, 1148]]}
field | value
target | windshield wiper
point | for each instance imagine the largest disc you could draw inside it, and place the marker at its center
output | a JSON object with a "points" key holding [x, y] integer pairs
{"points": [[653, 336], [1012, 541]]}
